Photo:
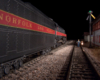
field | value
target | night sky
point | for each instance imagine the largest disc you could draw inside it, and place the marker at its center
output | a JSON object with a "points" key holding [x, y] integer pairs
{"points": [[70, 15]]}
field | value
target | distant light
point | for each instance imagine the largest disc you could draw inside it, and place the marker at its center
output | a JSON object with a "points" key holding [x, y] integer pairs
{"points": [[82, 43]]}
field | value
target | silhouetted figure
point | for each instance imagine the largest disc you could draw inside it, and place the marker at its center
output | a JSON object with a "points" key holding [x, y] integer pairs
{"points": [[78, 43]]}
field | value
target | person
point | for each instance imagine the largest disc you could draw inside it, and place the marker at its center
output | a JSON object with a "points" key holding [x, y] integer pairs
{"points": [[78, 43]]}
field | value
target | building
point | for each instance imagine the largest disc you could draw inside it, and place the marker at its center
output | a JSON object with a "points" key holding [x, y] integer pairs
{"points": [[87, 37], [96, 31]]}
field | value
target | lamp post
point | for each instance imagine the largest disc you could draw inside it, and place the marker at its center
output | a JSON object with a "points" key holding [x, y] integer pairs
{"points": [[89, 16], [90, 29]]}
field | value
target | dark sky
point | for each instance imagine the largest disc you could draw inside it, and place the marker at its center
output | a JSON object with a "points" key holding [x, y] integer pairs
{"points": [[70, 15]]}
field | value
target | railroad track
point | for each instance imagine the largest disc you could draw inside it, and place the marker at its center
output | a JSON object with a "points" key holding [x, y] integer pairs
{"points": [[79, 67]]}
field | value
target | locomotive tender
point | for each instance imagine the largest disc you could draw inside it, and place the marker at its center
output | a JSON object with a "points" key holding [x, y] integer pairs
{"points": [[24, 30], [60, 38]]}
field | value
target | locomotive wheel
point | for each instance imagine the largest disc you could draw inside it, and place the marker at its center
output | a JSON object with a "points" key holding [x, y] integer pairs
{"points": [[49, 49], [54, 46], [16, 65], [1, 72], [43, 52], [7, 69], [20, 63], [46, 50]]}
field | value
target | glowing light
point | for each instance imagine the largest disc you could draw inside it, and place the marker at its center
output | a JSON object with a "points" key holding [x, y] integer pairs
{"points": [[82, 43], [90, 11]]}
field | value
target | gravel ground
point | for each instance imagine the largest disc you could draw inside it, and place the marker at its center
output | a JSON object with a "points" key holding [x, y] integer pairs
{"points": [[94, 51], [93, 59], [43, 68], [90, 53]]}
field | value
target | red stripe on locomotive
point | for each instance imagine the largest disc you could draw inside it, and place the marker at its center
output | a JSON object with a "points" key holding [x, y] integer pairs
{"points": [[18, 22], [61, 34]]}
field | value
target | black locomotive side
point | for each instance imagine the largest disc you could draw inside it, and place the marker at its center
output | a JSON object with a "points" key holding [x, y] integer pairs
{"points": [[24, 30], [16, 43]]}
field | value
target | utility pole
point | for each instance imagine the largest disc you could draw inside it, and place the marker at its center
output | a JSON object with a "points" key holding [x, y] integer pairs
{"points": [[89, 17]]}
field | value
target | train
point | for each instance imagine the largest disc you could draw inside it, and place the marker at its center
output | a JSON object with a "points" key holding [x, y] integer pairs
{"points": [[25, 30]]}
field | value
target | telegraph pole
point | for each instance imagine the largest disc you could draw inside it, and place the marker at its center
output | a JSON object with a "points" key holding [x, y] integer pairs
{"points": [[89, 17]]}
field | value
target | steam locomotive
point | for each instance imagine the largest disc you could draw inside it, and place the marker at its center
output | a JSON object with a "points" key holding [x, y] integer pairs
{"points": [[25, 30]]}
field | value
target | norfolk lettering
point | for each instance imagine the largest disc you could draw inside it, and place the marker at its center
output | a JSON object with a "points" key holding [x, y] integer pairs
{"points": [[12, 20]]}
